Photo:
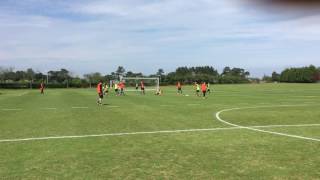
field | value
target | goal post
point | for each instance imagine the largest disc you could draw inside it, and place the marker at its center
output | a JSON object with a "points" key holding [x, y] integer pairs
{"points": [[150, 83]]}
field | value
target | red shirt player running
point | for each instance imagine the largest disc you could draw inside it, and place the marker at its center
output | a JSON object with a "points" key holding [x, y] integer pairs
{"points": [[42, 88], [204, 89], [100, 93], [179, 87], [142, 87]]}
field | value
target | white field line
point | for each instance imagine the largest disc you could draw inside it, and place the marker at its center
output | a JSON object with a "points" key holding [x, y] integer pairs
{"points": [[259, 130], [164, 105], [307, 96], [23, 93], [150, 132], [193, 104], [113, 106], [79, 107], [49, 108], [8, 109]]}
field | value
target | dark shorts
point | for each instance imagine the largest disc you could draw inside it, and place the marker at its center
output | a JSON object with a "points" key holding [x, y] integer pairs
{"points": [[198, 91], [179, 89], [100, 95], [204, 93], [137, 88], [116, 90], [142, 88]]}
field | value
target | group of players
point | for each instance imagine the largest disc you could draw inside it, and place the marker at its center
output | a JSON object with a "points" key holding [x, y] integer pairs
{"points": [[119, 89], [204, 87]]}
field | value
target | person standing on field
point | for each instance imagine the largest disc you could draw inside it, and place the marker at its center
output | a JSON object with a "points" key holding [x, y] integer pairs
{"points": [[204, 89], [116, 88], [142, 88], [208, 88], [197, 87], [42, 87], [179, 87], [100, 92], [106, 89], [121, 86]]}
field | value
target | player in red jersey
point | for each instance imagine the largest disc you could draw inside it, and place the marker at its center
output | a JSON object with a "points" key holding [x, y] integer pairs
{"points": [[179, 87], [204, 89], [142, 88], [100, 92], [42, 87]]}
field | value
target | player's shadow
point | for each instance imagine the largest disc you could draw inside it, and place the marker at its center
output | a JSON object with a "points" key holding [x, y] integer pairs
{"points": [[105, 104]]}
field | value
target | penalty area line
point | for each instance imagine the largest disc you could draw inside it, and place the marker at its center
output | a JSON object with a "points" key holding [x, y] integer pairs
{"points": [[147, 132]]}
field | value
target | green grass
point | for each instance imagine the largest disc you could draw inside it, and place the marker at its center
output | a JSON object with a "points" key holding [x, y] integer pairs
{"points": [[220, 154]]}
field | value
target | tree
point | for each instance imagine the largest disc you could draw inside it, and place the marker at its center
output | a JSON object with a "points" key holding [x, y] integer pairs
{"points": [[160, 72], [275, 77], [120, 71], [30, 74], [300, 75]]}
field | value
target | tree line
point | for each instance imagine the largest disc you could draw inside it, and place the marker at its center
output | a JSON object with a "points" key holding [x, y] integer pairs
{"points": [[64, 78], [308, 74], [187, 75]]}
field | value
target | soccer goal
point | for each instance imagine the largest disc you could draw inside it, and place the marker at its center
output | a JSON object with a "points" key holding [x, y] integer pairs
{"points": [[150, 84]]}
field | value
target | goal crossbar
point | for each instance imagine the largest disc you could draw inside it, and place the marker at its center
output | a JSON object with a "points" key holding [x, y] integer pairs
{"points": [[156, 79], [138, 78]]}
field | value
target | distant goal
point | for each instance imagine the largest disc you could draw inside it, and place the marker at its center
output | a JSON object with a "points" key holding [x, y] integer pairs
{"points": [[150, 83]]}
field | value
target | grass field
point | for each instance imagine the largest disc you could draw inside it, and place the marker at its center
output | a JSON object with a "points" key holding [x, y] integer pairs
{"points": [[150, 147]]}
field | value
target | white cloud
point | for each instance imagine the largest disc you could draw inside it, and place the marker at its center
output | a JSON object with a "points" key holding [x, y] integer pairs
{"points": [[169, 33]]}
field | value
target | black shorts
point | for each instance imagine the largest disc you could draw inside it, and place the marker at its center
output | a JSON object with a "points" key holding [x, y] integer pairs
{"points": [[204, 93], [116, 90], [100, 95], [142, 88], [198, 91], [179, 89]]}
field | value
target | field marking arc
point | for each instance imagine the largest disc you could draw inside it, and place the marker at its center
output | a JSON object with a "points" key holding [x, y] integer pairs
{"points": [[149, 132], [260, 130]]}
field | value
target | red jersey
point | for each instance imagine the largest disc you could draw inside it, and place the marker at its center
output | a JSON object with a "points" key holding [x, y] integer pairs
{"points": [[179, 85], [142, 85], [203, 87], [121, 85], [99, 88]]}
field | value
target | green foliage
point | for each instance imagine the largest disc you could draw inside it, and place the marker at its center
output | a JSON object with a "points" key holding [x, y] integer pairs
{"points": [[193, 74], [234, 76], [300, 75]]}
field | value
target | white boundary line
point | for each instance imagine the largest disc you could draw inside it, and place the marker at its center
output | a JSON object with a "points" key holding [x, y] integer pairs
{"points": [[150, 132], [8, 109], [49, 108], [24, 93], [113, 106], [79, 107], [259, 130]]}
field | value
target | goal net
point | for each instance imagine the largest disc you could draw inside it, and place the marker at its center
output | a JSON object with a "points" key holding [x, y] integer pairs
{"points": [[150, 84]]}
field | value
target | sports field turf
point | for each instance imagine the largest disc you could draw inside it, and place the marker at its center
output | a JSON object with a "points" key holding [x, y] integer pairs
{"points": [[136, 137]]}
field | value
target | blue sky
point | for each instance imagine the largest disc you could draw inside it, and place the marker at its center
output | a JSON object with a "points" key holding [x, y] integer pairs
{"points": [[144, 35]]}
